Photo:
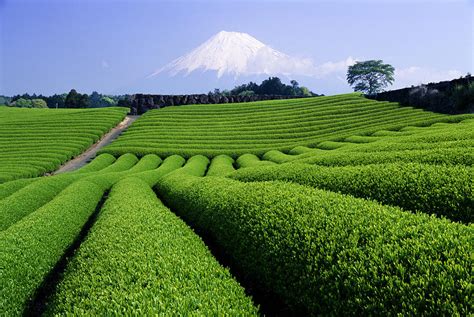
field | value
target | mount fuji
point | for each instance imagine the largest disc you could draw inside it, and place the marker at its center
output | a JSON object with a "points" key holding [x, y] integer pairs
{"points": [[228, 59], [237, 54]]}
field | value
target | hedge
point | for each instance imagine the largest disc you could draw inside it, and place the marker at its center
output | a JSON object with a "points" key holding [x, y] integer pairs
{"points": [[442, 190], [30, 249], [329, 254], [139, 258]]}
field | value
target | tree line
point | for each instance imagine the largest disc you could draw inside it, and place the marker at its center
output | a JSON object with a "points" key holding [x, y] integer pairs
{"points": [[73, 99], [270, 86]]}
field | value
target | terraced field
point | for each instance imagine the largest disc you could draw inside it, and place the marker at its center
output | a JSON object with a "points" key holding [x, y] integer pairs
{"points": [[356, 219], [258, 127], [36, 141]]}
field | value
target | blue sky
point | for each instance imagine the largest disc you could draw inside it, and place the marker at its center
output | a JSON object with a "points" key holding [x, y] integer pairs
{"points": [[51, 46]]}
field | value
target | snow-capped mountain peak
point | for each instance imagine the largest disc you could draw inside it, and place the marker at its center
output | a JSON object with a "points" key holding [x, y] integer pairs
{"points": [[235, 53]]}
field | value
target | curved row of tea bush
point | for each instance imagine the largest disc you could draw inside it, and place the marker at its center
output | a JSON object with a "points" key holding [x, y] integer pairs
{"points": [[325, 253], [140, 257], [36, 141], [221, 165], [100, 162], [45, 232], [450, 144], [31, 247], [255, 128], [34, 195], [442, 190]]}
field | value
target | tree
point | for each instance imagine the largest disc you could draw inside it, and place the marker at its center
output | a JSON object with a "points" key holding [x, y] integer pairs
{"points": [[23, 103], [56, 101], [370, 76], [247, 93], [294, 84], [94, 99], [76, 100], [304, 91], [106, 101], [38, 103], [272, 86]]}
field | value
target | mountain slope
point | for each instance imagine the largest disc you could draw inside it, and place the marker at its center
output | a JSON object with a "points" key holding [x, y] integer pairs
{"points": [[237, 54]]}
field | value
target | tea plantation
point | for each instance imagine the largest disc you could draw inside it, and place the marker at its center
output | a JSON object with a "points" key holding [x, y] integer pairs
{"points": [[36, 141], [321, 206]]}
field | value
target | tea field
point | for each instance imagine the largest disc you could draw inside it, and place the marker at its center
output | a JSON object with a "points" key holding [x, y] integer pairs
{"points": [[321, 206], [36, 141]]}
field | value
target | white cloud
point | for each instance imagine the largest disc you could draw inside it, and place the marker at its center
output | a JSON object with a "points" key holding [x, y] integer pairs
{"points": [[415, 75], [334, 67], [104, 64]]}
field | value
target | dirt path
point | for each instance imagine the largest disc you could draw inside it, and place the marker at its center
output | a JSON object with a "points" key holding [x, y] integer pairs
{"points": [[90, 153]]}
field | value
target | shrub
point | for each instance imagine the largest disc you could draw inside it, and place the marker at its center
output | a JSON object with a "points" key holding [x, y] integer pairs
{"points": [[329, 254], [32, 247], [442, 190], [221, 165], [140, 257]]}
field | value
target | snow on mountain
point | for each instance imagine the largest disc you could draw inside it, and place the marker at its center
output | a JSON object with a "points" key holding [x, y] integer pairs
{"points": [[238, 54]]}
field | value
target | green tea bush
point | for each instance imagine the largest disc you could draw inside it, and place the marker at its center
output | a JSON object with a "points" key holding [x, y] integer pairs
{"points": [[139, 258], [8, 188], [31, 248], [442, 190], [170, 164], [325, 253], [221, 165], [251, 160], [37, 141], [196, 165], [256, 128], [33, 196], [100, 162]]}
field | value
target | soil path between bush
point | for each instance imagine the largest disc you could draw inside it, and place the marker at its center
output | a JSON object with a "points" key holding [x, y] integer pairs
{"points": [[90, 153]]}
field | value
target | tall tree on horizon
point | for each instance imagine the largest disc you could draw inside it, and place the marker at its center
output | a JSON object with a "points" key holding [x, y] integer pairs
{"points": [[371, 76]]}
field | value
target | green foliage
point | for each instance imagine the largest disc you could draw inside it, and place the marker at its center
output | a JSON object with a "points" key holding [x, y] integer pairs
{"points": [[321, 252], [247, 93], [97, 100], [370, 76], [31, 248], [135, 230], [221, 165], [258, 127], [196, 165], [439, 144], [4, 100], [23, 103], [464, 96], [38, 103], [76, 100], [38, 141], [170, 164], [414, 187], [251, 160], [270, 86], [34, 195], [98, 163], [328, 254], [8, 188]]}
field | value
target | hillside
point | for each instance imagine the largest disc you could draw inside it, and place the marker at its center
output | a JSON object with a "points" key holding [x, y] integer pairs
{"points": [[258, 127], [37, 141], [325, 206]]}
